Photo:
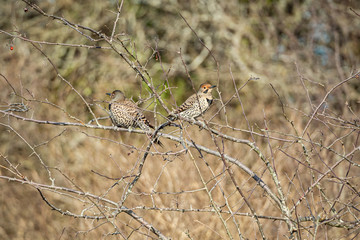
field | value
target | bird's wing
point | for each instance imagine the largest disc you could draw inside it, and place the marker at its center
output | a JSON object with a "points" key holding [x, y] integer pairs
{"points": [[139, 117], [142, 119], [187, 104]]}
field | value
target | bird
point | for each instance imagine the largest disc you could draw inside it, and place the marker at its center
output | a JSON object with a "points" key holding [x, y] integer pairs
{"points": [[196, 104], [126, 114]]}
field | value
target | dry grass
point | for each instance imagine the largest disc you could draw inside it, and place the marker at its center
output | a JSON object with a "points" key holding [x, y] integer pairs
{"points": [[301, 48]]}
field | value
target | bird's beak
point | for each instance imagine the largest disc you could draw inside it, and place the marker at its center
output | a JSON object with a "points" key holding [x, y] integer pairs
{"points": [[109, 94], [213, 86]]}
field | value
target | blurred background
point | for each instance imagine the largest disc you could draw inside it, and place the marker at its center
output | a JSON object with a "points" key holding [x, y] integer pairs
{"points": [[302, 48]]}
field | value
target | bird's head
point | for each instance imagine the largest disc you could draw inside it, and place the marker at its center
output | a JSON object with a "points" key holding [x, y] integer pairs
{"points": [[206, 88], [116, 96]]}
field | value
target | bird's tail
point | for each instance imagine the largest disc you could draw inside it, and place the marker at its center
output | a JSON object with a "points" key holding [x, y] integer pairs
{"points": [[157, 141]]}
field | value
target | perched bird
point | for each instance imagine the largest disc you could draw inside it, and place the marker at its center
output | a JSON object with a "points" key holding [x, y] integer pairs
{"points": [[196, 104], [126, 114]]}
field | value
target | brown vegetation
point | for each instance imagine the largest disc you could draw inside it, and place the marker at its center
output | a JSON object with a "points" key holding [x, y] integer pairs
{"points": [[276, 156]]}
